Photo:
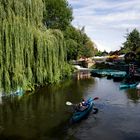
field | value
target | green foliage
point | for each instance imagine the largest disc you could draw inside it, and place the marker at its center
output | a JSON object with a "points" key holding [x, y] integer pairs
{"points": [[97, 52], [29, 53], [78, 44], [88, 49], [132, 42], [32, 54], [66, 70], [57, 14], [72, 46]]}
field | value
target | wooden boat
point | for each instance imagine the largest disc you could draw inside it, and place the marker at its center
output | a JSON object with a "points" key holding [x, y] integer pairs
{"points": [[79, 115]]}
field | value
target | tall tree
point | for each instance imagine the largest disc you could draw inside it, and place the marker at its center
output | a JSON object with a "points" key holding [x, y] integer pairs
{"points": [[57, 14], [74, 42], [132, 41], [78, 43], [132, 45], [29, 53]]}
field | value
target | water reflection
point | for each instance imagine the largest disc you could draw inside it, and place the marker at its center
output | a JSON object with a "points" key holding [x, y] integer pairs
{"points": [[37, 115], [45, 116]]}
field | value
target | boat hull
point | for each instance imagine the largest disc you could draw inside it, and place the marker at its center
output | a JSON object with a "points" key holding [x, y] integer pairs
{"points": [[133, 85]]}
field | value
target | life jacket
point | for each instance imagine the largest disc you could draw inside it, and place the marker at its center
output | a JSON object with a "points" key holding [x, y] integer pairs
{"points": [[84, 103]]}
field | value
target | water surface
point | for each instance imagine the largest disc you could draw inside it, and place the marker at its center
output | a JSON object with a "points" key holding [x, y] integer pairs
{"points": [[45, 116]]}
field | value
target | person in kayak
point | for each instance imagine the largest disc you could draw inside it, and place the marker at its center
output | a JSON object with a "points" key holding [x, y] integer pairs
{"points": [[82, 105]]}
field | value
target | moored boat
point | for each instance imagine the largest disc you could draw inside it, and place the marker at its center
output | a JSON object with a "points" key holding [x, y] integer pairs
{"points": [[128, 85]]}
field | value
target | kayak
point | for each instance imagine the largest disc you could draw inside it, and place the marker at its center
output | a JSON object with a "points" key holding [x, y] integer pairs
{"points": [[128, 85], [79, 115]]}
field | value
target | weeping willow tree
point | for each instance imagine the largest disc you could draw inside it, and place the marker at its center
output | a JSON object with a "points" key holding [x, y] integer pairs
{"points": [[29, 53]]}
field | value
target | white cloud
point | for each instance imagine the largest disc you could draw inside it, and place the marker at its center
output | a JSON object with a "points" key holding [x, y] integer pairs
{"points": [[106, 21]]}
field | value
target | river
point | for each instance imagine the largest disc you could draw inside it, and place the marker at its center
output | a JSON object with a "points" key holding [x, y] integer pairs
{"points": [[45, 115]]}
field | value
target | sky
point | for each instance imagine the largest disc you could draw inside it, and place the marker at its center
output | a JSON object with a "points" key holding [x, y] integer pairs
{"points": [[106, 22]]}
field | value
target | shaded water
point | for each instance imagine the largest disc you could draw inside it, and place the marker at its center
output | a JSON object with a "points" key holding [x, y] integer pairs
{"points": [[45, 116]]}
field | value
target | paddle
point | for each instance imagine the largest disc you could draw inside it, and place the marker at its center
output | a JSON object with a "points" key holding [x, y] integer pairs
{"points": [[69, 103]]}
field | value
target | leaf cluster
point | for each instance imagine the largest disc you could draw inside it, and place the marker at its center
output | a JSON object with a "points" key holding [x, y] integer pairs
{"points": [[132, 43]]}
